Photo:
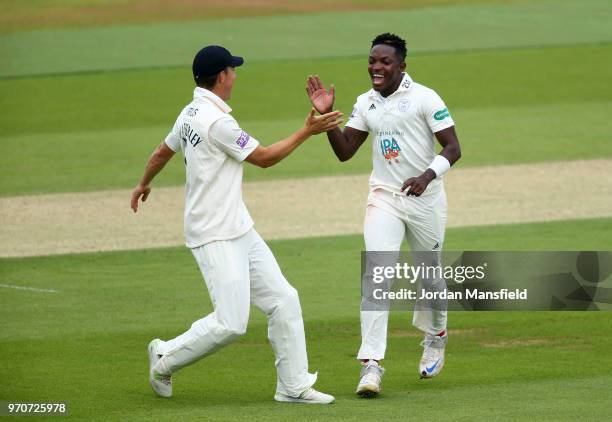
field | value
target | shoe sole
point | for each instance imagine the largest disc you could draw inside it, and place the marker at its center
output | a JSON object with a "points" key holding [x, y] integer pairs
{"points": [[286, 399], [368, 391]]}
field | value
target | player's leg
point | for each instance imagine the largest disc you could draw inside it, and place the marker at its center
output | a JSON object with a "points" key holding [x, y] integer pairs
{"points": [[224, 265], [273, 295], [426, 225], [383, 232]]}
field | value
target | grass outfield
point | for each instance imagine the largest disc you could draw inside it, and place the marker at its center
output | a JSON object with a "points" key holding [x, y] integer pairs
{"points": [[91, 132], [454, 27], [52, 13], [86, 343], [521, 87]]}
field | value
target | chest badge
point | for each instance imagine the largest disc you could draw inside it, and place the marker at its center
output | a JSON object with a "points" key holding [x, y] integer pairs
{"points": [[390, 150], [404, 106]]}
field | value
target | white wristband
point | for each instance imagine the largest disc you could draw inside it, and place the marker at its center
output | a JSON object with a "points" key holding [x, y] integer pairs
{"points": [[439, 165]]}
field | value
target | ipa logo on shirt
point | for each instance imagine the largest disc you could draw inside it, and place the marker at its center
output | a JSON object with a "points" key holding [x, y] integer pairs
{"points": [[390, 149]]}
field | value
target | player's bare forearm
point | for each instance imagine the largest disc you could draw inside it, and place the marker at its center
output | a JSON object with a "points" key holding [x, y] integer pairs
{"points": [[156, 163], [346, 143], [415, 186], [451, 150], [339, 144], [265, 157], [268, 156]]}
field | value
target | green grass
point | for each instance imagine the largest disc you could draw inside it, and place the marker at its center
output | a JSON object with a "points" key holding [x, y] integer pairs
{"points": [[85, 344], [308, 35], [39, 14], [91, 132], [275, 90]]}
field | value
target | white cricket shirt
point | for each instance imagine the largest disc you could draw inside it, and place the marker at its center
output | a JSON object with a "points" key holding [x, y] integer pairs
{"points": [[214, 148], [402, 128]]}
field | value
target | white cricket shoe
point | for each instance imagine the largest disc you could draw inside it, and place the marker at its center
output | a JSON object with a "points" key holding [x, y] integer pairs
{"points": [[432, 360], [370, 379], [161, 384], [308, 396]]}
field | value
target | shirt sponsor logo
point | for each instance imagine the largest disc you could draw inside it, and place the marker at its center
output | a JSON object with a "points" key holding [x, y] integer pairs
{"points": [[243, 139], [393, 132], [403, 106], [390, 149], [442, 114], [372, 107]]}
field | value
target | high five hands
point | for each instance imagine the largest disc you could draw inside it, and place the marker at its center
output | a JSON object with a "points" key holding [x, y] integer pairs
{"points": [[319, 124], [321, 99]]}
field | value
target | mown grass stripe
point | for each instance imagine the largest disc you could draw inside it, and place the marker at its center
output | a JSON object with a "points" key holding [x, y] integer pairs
{"points": [[322, 59], [113, 159], [287, 37]]}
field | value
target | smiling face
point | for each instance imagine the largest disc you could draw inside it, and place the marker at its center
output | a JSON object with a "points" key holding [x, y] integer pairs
{"points": [[385, 69]]}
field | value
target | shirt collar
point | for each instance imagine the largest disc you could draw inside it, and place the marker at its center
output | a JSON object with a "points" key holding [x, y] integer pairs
{"points": [[199, 93], [404, 86]]}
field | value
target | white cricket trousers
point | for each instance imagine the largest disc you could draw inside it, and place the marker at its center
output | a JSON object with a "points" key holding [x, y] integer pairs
{"points": [[237, 272], [391, 218]]}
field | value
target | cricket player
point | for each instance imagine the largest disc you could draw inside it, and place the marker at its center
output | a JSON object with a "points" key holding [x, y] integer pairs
{"points": [[406, 198], [237, 265]]}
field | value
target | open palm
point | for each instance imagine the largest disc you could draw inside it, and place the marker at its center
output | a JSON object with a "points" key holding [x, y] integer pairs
{"points": [[321, 99]]}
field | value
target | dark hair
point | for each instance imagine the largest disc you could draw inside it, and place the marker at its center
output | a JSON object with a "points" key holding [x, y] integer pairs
{"points": [[207, 81], [393, 41]]}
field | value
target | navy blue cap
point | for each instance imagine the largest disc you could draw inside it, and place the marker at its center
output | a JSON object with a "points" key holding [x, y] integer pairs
{"points": [[213, 59]]}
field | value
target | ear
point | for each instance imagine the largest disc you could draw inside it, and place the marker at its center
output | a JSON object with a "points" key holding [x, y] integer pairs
{"points": [[402, 66], [221, 77]]}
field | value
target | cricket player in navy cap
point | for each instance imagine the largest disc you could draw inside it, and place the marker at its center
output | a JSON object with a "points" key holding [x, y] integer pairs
{"points": [[237, 265]]}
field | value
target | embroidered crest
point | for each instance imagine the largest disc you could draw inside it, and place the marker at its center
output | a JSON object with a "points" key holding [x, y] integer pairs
{"points": [[403, 105]]}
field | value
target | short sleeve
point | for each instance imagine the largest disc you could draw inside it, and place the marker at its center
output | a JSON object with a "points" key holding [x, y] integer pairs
{"points": [[232, 140], [173, 140], [436, 113], [357, 120]]}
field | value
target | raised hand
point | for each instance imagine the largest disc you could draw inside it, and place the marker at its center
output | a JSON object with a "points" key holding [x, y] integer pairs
{"points": [[321, 99], [318, 124]]}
